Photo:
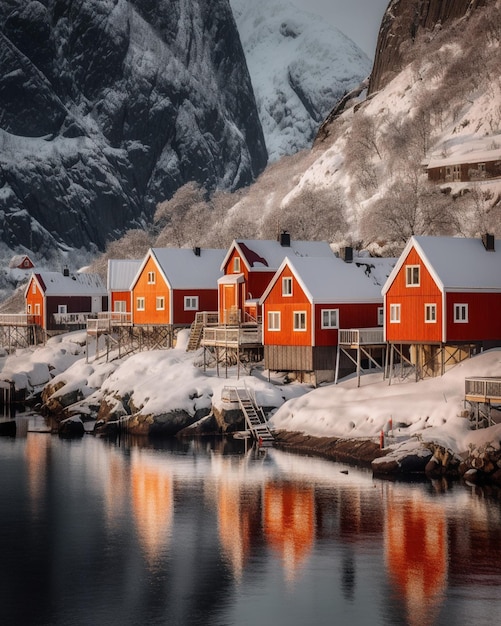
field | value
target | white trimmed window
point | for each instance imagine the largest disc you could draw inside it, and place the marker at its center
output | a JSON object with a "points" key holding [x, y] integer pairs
{"points": [[461, 313], [62, 309], [330, 318], [287, 286], [120, 306], [37, 309], [29, 309], [299, 320], [236, 265], [160, 303], [151, 278], [380, 316], [274, 320], [191, 303], [412, 275], [33, 287], [395, 313], [140, 304], [430, 313]]}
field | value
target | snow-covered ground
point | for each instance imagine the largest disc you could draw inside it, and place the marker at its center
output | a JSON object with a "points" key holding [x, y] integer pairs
{"points": [[162, 380]]}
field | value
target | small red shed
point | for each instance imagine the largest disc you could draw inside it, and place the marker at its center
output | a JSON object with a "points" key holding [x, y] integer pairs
{"points": [[121, 273]]}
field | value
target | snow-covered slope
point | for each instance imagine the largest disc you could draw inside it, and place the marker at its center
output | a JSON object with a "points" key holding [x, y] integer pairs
{"points": [[299, 66]]}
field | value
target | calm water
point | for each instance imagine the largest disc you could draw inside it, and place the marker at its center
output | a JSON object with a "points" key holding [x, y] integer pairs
{"points": [[94, 533]]}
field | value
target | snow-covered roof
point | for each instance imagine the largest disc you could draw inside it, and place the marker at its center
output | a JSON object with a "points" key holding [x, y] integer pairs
{"points": [[121, 273], [477, 154], [329, 280], [20, 261], [57, 284], [268, 254], [456, 263], [182, 268]]}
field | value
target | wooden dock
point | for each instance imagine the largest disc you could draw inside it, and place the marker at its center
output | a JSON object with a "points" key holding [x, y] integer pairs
{"points": [[482, 393]]}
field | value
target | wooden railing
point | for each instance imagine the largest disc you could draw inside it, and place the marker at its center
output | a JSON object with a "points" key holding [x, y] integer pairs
{"points": [[483, 388], [105, 321], [71, 319], [232, 336], [19, 319], [361, 336], [207, 318]]}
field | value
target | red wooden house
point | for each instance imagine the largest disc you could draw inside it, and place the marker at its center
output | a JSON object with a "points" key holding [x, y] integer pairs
{"points": [[21, 262], [248, 267], [443, 300], [306, 303], [173, 284], [121, 273], [61, 301]]}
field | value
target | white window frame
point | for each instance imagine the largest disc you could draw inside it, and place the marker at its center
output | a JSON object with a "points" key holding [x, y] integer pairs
{"points": [[410, 278], [380, 316], [29, 309], [191, 303], [160, 303], [460, 313], [37, 308], [298, 316], [140, 304], [331, 313], [274, 320], [151, 278], [33, 287], [120, 306], [430, 313], [236, 265], [287, 286], [62, 309], [395, 313]]}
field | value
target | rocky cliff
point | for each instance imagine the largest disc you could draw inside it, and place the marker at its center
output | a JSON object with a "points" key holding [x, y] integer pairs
{"points": [[108, 106], [400, 25]]}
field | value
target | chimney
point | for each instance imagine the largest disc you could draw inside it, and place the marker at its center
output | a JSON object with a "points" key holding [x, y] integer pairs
{"points": [[66, 271], [346, 254], [488, 241], [285, 239], [196, 251]]}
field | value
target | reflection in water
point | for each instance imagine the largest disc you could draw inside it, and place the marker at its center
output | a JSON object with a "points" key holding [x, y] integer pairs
{"points": [[209, 533]]}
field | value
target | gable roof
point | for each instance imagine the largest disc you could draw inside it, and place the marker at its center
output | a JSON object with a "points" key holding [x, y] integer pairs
{"points": [[455, 263], [183, 269], [267, 254], [57, 284], [121, 273], [325, 280]]}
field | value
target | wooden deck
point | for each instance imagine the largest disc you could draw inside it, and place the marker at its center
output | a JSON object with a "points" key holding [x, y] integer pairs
{"points": [[232, 336], [355, 337], [487, 390]]}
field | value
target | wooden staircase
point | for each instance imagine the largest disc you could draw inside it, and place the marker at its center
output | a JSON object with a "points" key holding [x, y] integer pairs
{"points": [[254, 417], [196, 332]]}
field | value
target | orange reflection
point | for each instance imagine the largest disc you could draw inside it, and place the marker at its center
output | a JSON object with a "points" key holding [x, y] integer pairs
{"points": [[36, 452], [153, 505], [289, 523], [416, 554]]}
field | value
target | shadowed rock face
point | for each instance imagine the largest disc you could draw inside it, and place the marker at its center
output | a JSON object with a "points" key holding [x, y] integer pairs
{"points": [[400, 24], [109, 106]]}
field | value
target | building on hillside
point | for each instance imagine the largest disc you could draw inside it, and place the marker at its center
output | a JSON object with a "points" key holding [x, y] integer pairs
{"points": [[173, 284], [442, 301], [61, 301], [121, 273], [248, 267], [21, 262], [305, 306], [476, 165]]}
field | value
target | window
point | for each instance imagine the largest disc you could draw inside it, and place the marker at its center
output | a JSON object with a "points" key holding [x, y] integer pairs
{"points": [[160, 303], [236, 265], [33, 287], [120, 306], [191, 303], [412, 275], [380, 316], [287, 286], [62, 309], [430, 313], [140, 305], [299, 320], [394, 313], [461, 313], [29, 309], [151, 278], [37, 309], [330, 318], [274, 320]]}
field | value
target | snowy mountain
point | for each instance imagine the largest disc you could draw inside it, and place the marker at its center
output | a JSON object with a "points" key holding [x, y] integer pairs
{"points": [[300, 67], [109, 106]]}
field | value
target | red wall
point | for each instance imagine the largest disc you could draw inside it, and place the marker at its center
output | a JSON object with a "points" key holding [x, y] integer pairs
{"points": [[33, 299], [121, 295], [207, 301], [412, 300], [484, 317], [361, 315]]}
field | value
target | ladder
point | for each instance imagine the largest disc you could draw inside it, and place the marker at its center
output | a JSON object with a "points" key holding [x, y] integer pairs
{"points": [[254, 416], [196, 331]]}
